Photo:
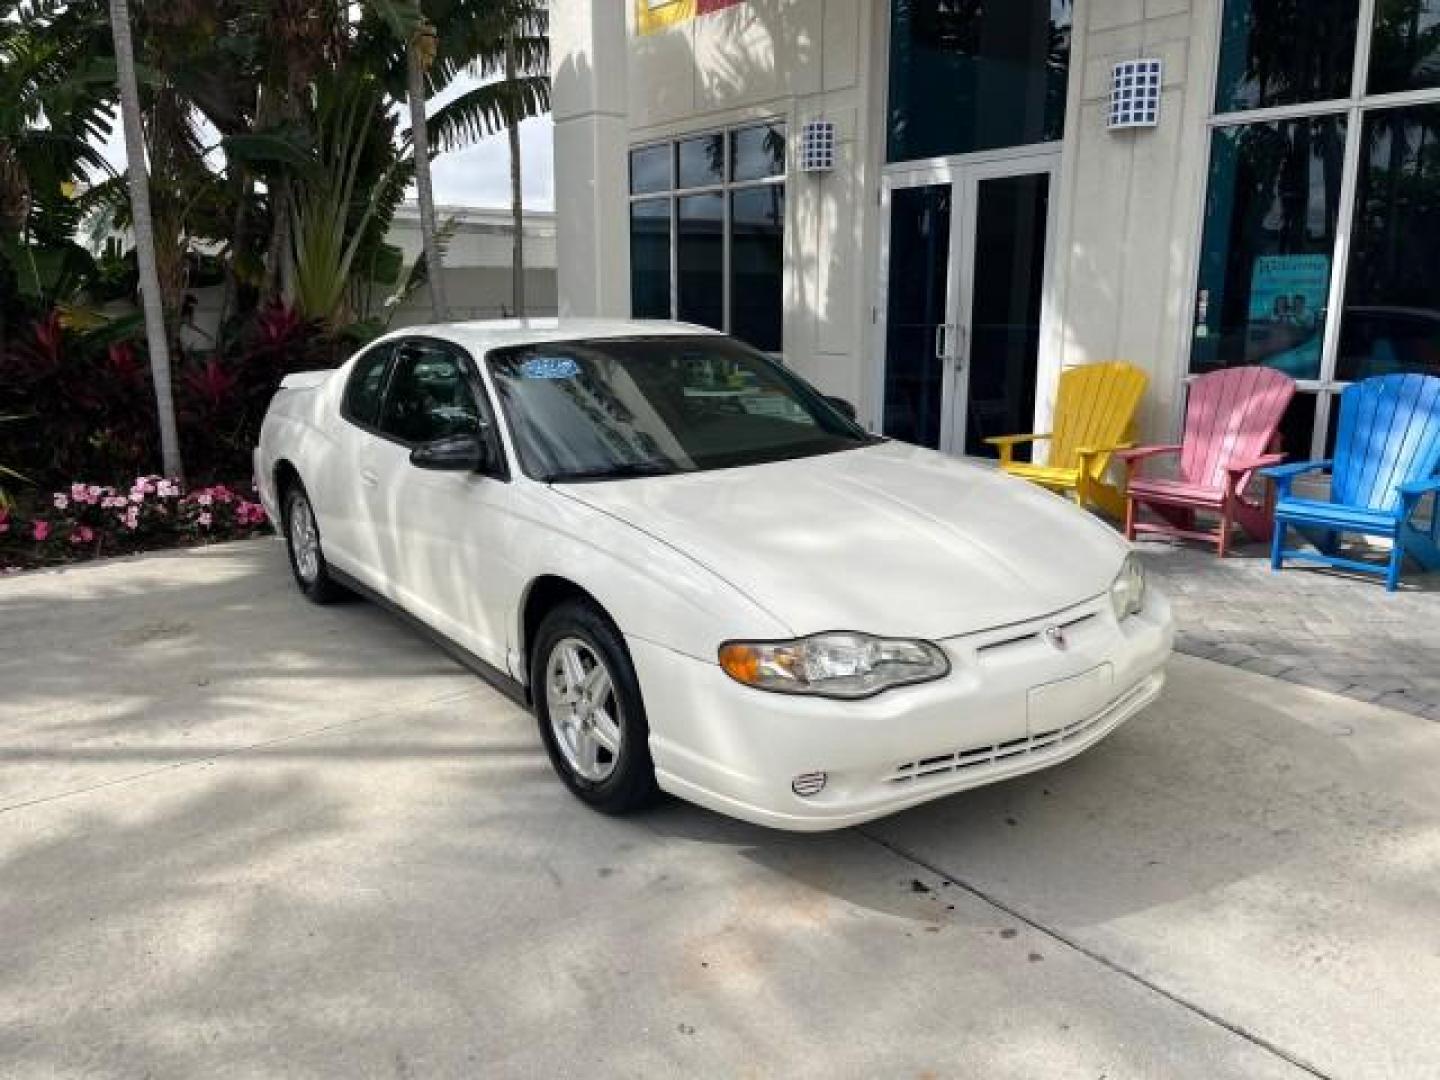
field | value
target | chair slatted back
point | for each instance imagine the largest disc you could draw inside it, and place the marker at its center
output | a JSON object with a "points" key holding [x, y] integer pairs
{"points": [[1389, 434], [1095, 407], [1231, 415]]}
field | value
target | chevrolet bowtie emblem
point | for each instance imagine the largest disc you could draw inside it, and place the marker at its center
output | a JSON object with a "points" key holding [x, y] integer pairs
{"points": [[1056, 636]]}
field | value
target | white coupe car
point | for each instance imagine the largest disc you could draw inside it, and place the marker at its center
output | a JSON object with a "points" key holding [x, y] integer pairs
{"points": [[704, 576]]}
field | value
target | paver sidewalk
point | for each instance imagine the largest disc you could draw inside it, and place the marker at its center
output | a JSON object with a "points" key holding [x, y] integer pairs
{"points": [[1318, 628]]}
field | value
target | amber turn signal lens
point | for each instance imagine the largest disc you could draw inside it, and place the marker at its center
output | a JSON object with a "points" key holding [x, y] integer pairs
{"points": [[741, 663]]}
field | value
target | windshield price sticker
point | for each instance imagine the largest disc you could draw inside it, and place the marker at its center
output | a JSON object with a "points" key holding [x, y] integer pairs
{"points": [[549, 367]]}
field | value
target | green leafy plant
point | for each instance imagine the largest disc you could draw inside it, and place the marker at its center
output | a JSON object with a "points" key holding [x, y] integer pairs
{"points": [[332, 210]]}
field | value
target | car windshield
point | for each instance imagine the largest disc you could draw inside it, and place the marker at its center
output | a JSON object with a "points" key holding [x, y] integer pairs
{"points": [[601, 410]]}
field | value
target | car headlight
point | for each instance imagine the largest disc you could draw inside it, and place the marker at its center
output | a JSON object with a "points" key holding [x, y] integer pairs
{"points": [[839, 665], [1127, 594]]}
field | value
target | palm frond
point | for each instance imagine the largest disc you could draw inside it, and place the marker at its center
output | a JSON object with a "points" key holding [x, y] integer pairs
{"points": [[487, 109]]}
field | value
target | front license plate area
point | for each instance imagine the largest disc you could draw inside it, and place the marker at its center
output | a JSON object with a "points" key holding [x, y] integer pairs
{"points": [[1059, 704]]}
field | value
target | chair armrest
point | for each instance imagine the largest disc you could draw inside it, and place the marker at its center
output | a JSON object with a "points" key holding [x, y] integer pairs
{"points": [[1264, 461], [1091, 451], [1015, 440], [1413, 492], [1284, 475], [1416, 488], [1007, 443], [1140, 453], [1296, 468]]}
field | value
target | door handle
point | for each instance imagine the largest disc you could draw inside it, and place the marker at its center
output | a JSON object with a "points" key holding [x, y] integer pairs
{"points": [[943, 344], [960, 351], [369, 478]]}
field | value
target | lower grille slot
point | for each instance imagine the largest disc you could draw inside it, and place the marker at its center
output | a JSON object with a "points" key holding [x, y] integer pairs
{"points": [[993, 753]]}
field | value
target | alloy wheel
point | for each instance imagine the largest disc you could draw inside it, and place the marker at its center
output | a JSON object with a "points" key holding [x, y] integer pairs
{"points": [[583, 709], [304, 539]]}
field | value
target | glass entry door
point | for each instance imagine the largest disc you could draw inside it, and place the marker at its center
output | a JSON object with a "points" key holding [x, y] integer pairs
{"points": [[966, 264]]}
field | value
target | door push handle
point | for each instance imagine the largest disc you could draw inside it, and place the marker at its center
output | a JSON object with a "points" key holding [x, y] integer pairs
{"points": [[369, 478], [946, 334]]}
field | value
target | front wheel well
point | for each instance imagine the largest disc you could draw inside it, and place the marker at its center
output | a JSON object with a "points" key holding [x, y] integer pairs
{"points": [[545, 594], [286, 475]]}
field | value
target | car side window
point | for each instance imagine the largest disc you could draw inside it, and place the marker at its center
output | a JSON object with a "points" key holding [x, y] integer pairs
{"points": [[429, 396], [367, 383]]}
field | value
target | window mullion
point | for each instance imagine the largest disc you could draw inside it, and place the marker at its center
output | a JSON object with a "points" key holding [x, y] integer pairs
{"points": [[1339, 270], [725, 226], [674, 257], [1364, 37]]}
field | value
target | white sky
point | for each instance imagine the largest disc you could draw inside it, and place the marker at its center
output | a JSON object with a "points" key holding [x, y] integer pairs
{"points": [[477, 176]]}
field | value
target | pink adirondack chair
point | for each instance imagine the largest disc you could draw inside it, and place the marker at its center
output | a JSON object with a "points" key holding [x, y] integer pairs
{"points": [[1230, 431]]}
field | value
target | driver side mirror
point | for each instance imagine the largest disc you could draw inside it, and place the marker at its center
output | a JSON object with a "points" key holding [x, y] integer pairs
{"points": [[843, 407], [454, 453]]}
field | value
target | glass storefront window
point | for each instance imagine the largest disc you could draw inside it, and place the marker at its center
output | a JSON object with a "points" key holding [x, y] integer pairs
{"points": [[1285, 53], [650, 258], [700, 162], [716, 255], [1392, 291], [1273, 210], [700, 260], [757, 263], [1405, 49], [968, 76], [757, 152], [1270, 228], [650, 170]]}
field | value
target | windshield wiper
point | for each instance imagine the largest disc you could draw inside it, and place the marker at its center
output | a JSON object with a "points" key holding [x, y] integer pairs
{"points": [[618, 471]]}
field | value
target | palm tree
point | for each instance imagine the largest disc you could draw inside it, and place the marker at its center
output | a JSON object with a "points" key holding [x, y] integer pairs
{"points": [[506, 43], [419, 57], [141, 216], [517, 196]]}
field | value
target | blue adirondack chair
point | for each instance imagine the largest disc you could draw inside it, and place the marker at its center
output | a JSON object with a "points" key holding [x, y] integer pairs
{"points": [[1387, 451]]}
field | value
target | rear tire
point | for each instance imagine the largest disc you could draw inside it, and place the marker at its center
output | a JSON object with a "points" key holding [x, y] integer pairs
{"points": [[588, 706], [302, 542]]}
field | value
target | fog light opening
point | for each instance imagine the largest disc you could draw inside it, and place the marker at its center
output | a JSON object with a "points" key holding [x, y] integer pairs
{"points": [[807, 784]]}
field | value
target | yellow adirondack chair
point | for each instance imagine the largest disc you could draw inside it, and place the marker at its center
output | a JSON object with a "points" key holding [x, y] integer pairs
{"points": [[1094, 416]]}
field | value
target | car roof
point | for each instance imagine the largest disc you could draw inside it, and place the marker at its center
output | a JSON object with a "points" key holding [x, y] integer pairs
{"points": [[483, 335]]}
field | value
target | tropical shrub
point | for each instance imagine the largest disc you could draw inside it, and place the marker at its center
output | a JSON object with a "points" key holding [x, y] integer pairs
{"points": [[79, 401]]}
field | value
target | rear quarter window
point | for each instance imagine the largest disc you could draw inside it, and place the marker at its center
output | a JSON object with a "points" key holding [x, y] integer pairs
{"points": [[366, 385]]}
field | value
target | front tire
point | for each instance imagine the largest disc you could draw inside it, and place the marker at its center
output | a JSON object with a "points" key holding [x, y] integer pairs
{"points": [[302, 541], [588, 705]]}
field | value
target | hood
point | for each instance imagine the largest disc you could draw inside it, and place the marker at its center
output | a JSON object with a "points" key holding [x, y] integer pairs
{"points": [[889, 539]]}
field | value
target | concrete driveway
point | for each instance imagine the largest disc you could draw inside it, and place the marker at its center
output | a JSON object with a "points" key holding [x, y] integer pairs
{"points": [[241, 836]]}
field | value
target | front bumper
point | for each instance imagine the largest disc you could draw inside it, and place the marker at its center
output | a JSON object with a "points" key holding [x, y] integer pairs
{"points": [[1013, 703]]}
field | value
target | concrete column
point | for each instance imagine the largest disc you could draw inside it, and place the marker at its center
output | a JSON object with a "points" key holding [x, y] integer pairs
{"points": [[588, 68]]}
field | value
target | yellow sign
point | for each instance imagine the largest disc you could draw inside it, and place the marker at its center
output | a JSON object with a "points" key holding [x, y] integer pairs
{"points": [[652, 16]]}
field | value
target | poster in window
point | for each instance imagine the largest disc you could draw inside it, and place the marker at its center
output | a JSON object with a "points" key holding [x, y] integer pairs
{"points": [[652, 16], [1287, 313]]}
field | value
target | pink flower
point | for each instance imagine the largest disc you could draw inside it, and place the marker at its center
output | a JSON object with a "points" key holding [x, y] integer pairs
{"points": [[62, 501], [204, 520], [41, 531], [82, 534], [78, 492], [248, 513], [167, 489], [93, 493]]}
